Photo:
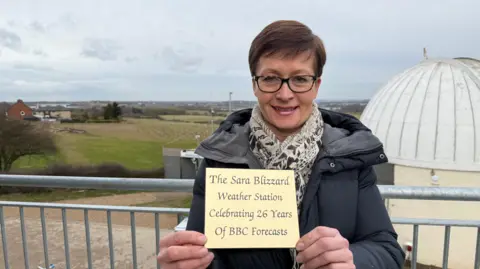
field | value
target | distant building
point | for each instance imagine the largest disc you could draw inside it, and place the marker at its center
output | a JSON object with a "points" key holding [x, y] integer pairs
{"points": [[19, 111], [428, 118], [4, 108], [53, 113]]}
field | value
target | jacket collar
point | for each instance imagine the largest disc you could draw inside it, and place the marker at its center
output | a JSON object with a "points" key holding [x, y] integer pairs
{"points": [[346, 142]]}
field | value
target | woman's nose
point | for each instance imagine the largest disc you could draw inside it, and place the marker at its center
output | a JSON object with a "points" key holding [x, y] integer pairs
{"points": [[285, 93]]}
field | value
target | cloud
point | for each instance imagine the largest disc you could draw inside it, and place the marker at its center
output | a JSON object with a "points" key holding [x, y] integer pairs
{"points": [[40, 52], [99, 48], [31, 67], [11, 23], [173, 50], [186, 58], [37, 27], [10, 40], [68, 21], [130, 59]]}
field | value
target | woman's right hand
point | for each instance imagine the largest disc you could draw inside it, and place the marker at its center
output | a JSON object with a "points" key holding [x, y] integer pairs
{"points": [[185, 250]]}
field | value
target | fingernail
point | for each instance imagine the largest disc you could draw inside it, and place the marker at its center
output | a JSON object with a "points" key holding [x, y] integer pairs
{"points": [[300, 246], [203, 238], [203, 251], [210, 255], [299, 259]]}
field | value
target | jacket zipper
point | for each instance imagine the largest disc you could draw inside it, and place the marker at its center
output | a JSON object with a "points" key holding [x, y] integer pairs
{"points": [[370, 150]]}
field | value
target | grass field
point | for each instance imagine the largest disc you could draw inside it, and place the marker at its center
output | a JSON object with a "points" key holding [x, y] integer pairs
{"points": [[136, 143], [192, 118]]}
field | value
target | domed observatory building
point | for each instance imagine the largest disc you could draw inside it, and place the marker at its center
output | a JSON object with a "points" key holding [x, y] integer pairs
{"points": [[428, 118]]}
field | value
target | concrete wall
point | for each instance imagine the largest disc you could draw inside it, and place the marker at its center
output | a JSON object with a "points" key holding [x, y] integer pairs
{"points": [[462, 240], [171, 162], [177, 167]]}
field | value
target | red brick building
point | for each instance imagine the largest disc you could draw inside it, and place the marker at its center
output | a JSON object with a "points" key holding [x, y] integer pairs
{"points": [[19, 111]]}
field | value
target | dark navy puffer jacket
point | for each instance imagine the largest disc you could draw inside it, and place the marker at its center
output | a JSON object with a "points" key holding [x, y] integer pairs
{"points": [[341, 193]]}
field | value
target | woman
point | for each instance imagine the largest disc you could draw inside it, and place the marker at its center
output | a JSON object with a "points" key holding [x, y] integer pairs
{"points": [[342, 219]]}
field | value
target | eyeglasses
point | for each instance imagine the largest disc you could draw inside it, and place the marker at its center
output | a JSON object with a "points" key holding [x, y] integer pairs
{"points": [[297, 84]]}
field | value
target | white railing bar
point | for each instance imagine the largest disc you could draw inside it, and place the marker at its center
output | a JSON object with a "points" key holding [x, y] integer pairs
{"points": [[186, 185], [164, 210]]}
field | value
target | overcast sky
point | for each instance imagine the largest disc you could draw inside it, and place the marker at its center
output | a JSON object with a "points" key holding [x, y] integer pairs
{"points": [[198, 50]]}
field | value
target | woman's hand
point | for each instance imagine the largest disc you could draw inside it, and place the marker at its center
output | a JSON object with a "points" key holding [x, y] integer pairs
{"points": [[185, 250], [324, 248]]}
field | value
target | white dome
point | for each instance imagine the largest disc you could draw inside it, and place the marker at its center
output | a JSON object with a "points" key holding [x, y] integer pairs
{"points": [[429, 115]]}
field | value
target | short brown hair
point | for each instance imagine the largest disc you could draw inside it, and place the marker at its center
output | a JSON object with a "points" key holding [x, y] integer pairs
{"points": [[289, 38]]}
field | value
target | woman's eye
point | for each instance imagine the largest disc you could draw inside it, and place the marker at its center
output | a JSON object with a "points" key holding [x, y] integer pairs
{"points": [[300, 79], [269, 79]]}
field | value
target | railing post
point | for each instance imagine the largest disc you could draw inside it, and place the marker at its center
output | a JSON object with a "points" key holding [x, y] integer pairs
{"points": [[477, 250], [87, 238], [134, 239], [4, 239], [44, 236], [24, 238], [110, 239], [157, 237], [446, 247], [415, 247], [65, 237]]}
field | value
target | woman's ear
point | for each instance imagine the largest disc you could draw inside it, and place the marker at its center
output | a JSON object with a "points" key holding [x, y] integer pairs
{"points": [[254, 87], [317, 84]]}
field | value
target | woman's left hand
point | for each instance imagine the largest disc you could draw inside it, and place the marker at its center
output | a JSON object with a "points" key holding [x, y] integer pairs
{"points": [[324, 248]]}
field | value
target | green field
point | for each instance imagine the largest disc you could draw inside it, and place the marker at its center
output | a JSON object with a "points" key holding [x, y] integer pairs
{"points": [[136, 143], [193, 118]]}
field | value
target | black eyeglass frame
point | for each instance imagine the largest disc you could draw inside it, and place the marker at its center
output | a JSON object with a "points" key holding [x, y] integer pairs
{"points": [[285, 80]]}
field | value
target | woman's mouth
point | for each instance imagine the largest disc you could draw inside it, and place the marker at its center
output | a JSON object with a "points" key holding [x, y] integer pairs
{"points": [[285, 110]]}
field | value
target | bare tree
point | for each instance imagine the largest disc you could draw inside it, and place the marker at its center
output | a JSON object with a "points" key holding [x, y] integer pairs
{"points": [[23, 138]]}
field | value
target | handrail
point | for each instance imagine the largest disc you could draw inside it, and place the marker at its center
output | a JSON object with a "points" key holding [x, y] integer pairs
{"points": [[186, 185], [137, 209], [99, 183]]}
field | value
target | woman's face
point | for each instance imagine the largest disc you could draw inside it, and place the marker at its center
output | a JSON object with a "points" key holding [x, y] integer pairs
{"points": [[286, 111]]}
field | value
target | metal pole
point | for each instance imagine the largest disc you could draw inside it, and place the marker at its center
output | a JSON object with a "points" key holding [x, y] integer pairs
{"points": [[230, 103], [211, 113], [477, 251]]}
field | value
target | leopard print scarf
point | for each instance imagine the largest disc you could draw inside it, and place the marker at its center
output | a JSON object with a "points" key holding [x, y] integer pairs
{"points": [[296, 152]]}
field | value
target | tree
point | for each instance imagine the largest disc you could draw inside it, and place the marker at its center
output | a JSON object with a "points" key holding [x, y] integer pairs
{"points": [[20, 138], [116, 111], [107, 112], [112, 111]]}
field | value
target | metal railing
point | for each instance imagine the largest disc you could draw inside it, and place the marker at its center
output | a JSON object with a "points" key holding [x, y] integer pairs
{"points": [[86, 209], [185, 185]]}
